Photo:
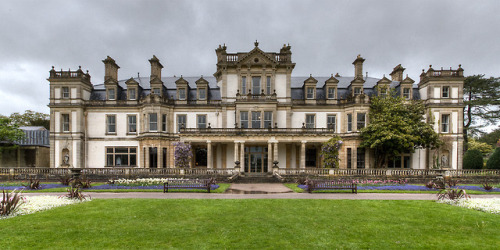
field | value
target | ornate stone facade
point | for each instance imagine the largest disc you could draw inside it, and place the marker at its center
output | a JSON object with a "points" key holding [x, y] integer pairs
{"points": [[252, 110]]}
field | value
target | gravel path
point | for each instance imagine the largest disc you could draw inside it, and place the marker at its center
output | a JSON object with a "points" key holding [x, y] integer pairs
{"points": [[262, 191]]}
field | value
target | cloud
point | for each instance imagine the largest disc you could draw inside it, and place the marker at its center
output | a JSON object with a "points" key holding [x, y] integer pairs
{"points": [[325, 37]]}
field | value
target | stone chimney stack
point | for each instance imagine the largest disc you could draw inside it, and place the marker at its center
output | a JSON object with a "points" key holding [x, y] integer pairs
{"points": [[155, 68], [358, 67], [110, 69], [397, 73]]}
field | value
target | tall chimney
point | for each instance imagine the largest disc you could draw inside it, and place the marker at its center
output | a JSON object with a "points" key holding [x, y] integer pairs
{"points": [[397, 73], [358, 67], [155, 68], [110, 69]]}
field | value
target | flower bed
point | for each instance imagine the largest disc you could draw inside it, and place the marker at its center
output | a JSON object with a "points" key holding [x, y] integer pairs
{"points": [[410, 187], [34, 204], [42, 186], [115, 186], [485, 205]]}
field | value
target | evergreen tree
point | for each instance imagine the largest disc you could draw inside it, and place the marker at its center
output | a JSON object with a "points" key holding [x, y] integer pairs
{"points": [[473, 159], [494, 160]]}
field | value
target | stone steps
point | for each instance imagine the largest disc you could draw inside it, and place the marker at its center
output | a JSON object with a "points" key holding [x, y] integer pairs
{"points": [[257, 178]]}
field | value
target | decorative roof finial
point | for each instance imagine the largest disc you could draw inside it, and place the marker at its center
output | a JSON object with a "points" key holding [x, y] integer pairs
{"points": [[80, 67], [256, 43]]}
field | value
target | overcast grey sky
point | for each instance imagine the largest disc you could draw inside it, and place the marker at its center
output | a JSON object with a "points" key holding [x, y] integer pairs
{"points": [[325, 37]]}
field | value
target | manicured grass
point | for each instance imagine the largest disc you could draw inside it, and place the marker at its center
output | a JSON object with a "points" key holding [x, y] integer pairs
{"points": [[252, 224]]}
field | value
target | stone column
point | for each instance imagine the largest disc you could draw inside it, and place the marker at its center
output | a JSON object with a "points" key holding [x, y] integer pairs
{"points": [[275, 156], [236, 155], [209, 154], [269, 157], [242, 156], [303, 154], [146, 157]]}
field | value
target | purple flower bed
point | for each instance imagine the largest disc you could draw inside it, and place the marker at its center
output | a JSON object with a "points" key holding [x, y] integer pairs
{"points": [[112, 186], [42, 186], [408, 187]]}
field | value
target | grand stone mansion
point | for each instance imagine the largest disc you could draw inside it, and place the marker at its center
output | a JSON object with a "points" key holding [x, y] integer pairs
{"points": [[251, 110]]}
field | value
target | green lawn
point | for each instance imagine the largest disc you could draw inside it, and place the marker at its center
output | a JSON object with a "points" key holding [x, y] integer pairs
{"points": [[253, 224]]}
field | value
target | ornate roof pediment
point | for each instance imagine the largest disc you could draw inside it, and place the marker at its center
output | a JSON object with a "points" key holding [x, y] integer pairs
{"points": [[332, 80], [407, 80], [257, 57], [181, 81], [201, 81], [156, 80], [384, 81], [310, 81], [131, 81]]}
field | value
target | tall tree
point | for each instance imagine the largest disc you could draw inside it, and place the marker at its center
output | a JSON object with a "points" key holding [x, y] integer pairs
{"points": [[9, 133], [482, 103], [396, 126], [31, 118]]}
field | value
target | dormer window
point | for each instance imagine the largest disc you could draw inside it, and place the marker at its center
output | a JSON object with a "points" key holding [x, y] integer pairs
{"points": [[331, 93], [65, 92], [182, 94], [406, 93], [132, 94], [446, 92], [202, 93], [383, 91], [156, 91], [310, 93], [111, 94], [357, 91]]}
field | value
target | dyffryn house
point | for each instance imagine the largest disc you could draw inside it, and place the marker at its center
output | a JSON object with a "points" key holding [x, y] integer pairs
{"points": [[252, 110]]}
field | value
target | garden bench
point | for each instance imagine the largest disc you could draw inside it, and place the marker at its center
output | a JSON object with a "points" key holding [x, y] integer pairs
{"points": [[331, 185], [188, 184]]}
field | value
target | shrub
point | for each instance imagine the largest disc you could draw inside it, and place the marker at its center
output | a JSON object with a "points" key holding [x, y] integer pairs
{"points": [[452, 194], [33, 184], [10, 202], [473, 159], [494, 160], [487, 186], [83, 182], [75, 193], [65, 180], [430, 184], [452, 182]]}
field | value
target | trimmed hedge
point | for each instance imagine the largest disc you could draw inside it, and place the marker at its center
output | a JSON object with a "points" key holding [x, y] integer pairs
{"points": [[494, 160], [473, 159]]}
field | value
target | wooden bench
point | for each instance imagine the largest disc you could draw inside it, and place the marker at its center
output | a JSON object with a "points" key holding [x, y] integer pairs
{"points": [[188, 184], [331, 185]]}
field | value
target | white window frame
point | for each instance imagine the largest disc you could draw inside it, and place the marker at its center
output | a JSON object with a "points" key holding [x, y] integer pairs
{"points": [[110, 124], [308, 123], [65, 93], [152, 124], [445, 126], [131, 124]]}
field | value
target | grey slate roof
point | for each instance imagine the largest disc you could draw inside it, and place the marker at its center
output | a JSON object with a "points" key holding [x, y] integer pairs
{"points": [[297, 83]]}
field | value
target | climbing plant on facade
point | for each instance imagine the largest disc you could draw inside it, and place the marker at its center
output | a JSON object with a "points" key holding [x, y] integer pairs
{"points": [[330, 152], [182, 154]]}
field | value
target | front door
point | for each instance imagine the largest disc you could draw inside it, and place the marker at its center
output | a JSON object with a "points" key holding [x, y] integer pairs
{"points": [[256, 159]]}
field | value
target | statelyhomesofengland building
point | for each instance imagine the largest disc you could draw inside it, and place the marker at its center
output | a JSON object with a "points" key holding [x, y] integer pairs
{"points": [[251, 110]]}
